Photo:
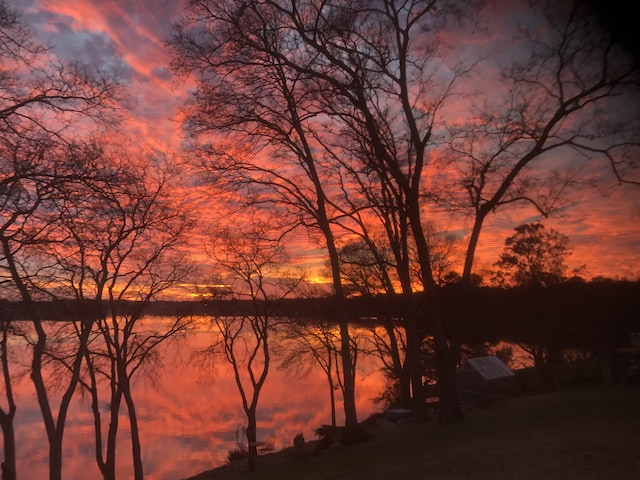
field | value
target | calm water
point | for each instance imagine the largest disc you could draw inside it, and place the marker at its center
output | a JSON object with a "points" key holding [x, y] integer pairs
{"points": [[188, 420]]}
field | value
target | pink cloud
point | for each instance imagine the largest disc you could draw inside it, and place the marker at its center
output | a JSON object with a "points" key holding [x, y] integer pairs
{"points": [[132, 32]]}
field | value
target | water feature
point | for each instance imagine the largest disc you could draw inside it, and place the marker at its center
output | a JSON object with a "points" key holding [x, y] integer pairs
{"points": [[188, 418]]}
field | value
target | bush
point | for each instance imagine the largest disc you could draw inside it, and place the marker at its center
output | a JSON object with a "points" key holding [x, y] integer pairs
{"points": [[345, 435], [298, 441], [236, 454], [327, 436], [354, 435]]}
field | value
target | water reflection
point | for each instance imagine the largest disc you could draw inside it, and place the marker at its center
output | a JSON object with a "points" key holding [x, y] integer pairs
{"points": [[187, 421]]}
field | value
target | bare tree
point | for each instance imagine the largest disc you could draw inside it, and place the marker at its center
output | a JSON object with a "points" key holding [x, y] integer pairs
{"points": [[255, 99], [36, 84], [365, 266], [555, 101], [363, 88], [347, 63], [36, 188], [7, 414], [43, 101], [574, 95], [370, 268], [251, 262], [29, 233], [376, 66], [126, 346], [313, 340], [563, 100], [317, 341], [121, 259]]}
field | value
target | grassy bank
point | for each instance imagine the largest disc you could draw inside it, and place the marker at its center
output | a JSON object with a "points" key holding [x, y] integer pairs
{"points": [[587, 432]]}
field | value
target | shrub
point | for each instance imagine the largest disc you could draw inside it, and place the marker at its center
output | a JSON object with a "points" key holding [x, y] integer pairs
{"points": [[298, 441], [354, 435], [328, 435], [345, 435], [236, 454]]}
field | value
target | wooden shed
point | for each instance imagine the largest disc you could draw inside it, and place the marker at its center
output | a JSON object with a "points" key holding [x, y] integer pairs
{"points": [[481, 378]]}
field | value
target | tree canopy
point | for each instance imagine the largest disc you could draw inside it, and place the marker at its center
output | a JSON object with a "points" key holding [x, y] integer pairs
{"points": [[534, 256]]}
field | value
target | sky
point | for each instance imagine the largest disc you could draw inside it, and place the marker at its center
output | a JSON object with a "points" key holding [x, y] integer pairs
{"points": [[603, 224]]}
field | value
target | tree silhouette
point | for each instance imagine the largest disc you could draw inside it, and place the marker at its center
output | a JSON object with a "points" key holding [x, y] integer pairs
{"points": [[250, 262], [7, 414], [46, 108], [122, 258], [353, 98], [533, 257], [562, 97], [306, 342], [251, 106]]}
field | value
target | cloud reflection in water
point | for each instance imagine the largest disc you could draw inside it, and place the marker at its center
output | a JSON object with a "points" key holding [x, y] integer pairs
{"points": [[187, 423]]}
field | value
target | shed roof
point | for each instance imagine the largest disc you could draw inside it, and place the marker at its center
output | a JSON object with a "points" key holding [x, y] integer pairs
{"points": [[490, 367]]}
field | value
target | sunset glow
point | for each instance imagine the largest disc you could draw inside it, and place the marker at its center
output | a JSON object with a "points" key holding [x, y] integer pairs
{"points": [[223, 220], [603, 223]]}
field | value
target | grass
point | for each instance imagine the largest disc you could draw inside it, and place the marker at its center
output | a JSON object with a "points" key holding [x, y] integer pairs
{"points": [[586, 432]]}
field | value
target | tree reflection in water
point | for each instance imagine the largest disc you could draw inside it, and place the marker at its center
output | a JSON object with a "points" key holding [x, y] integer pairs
{"points": [[187, 418]]}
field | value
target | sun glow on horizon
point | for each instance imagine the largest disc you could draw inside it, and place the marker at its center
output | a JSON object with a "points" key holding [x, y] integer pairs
{"points": [[603, 226]]}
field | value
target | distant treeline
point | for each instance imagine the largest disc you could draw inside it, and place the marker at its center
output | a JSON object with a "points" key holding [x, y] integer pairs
{"points": [[595, 315]]}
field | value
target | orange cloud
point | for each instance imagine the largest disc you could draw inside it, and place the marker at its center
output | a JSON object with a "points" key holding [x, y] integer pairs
{"points": [[602, 229]]}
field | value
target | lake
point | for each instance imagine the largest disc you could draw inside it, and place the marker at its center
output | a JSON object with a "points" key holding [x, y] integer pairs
{"points": [[188, 419]]}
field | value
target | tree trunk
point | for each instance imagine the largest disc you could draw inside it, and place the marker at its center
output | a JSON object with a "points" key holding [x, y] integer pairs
{"points": [[6, 417], [401, 369], [350, 414], [97, 422], [54, 434], [448, 406], [55, 456], [110, 459], [252, 437], [414, 340], [8, 437], [136, 448], [332, 400], [431, 292]]}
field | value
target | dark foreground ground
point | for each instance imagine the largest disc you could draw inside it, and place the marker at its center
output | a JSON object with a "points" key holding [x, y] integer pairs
{"points": [[585, 432]]}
